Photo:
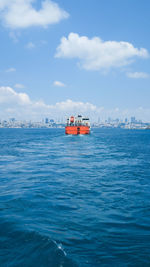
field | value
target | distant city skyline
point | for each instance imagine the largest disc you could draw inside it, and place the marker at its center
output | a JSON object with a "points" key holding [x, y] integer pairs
{"points": [[68, 57], [51, 120], [129, 124]]}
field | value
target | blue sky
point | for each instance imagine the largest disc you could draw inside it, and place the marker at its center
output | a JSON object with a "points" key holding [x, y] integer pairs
{"points": [[62, 57]]}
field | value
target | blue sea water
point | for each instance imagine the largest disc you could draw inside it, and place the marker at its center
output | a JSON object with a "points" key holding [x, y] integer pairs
{"points": [[73, 201]]}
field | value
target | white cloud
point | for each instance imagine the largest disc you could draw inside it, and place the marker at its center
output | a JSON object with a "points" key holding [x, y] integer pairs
{"points": [[19, 86], [21, 13], [20, 106], [58, 84], [9, 96], [95, 54], [30, 45], [70, 105], [11, 70], [24, 107], [137, 75]]}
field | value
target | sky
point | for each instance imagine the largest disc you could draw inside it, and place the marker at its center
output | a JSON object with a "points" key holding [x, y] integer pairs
{"points": [[61, 57]]}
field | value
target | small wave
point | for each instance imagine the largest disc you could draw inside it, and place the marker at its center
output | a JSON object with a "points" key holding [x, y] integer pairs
{"points": [[69, 135], [43, 250]]}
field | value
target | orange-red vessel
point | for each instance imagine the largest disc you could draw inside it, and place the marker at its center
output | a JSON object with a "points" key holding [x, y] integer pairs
{"points": [[77, 125]]}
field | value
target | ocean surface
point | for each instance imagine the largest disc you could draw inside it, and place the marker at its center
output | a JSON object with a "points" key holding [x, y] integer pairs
{"points": [[68, 201]]}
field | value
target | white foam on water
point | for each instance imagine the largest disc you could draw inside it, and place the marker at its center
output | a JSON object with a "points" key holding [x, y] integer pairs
{"points": [[62, 249], [59, 246]]}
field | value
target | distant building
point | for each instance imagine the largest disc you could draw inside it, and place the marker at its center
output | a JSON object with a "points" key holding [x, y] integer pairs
{"points": [[117, 120], [133, 120], [12, 119], [46, 120], [126, 120], [109, 119]]}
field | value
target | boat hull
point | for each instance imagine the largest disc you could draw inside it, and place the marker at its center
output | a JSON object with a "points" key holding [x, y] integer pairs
{"points": [[77, 130]]}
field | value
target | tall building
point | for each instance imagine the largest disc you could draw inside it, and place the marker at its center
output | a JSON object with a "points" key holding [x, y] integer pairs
{"points": [[109, 119], [117, 120], [12, 119], [133, 120], [46, 120]]}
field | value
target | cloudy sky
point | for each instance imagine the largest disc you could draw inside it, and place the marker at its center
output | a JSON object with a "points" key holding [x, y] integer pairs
{"points": [[62, 57]]}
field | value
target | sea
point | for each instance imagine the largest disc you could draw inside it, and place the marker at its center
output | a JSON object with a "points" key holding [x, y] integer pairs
{"points": [[68, 201]]}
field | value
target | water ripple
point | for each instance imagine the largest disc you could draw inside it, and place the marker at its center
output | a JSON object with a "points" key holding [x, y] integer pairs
{"points": [[74, 200]]}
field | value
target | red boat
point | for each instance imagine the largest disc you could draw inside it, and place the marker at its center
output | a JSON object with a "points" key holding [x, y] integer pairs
{"points": [[77, 125]]}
